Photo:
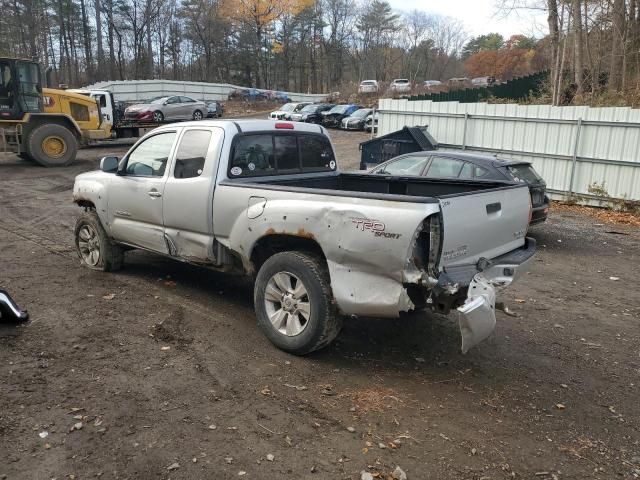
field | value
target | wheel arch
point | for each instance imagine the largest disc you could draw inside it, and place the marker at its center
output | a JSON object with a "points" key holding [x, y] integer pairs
{"points": [[38, 119], [272, 243]]}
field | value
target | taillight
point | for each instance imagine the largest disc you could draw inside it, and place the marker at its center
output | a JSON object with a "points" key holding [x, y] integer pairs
{"points": [[286, 126]]}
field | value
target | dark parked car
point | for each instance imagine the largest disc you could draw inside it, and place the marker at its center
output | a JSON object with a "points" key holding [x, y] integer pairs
{"points": [[356, 120], [333, 117], [312, 113], [471, 166], [215, 109]]}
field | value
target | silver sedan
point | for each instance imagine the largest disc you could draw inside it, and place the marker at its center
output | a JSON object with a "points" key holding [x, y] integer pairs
{"points": [[162, 109]]}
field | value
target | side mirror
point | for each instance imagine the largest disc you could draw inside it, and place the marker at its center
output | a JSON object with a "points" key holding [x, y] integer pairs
{"points": [[109, 164]]}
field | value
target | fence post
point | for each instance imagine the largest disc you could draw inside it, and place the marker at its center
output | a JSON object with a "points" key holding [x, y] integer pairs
{"points": [[575, 155], [464, 131], [373, 121]]}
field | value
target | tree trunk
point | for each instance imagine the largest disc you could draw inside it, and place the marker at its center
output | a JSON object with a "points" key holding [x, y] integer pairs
{"points": [[554, 35], [100, 62], [86, 40], [112, 52], [578, 61], [617, 45]]}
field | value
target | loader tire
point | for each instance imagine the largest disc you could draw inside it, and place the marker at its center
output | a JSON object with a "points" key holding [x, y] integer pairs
{"points": [[52, 145]]}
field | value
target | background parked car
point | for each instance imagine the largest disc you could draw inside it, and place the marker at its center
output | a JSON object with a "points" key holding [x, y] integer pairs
{"points": [[483, 81], [167, 108], [333, 117], [368, 86], [285, 111], [215, 109], [471, 166], [312, 113], [431, 84], [356, 120], [400, 85]]}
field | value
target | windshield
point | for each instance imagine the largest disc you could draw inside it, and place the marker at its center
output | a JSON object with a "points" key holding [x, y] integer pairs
{"points": [[401, 80], [363, 112], [159, 100], [524, 173], [288, 107], [368, 82], [309, 109], [339, 109]]}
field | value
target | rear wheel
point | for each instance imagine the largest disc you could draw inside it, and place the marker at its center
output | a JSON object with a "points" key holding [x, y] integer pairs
{"points": [[52, 145], [293, 303], [197, 115], [158, 116], [95, 249]]}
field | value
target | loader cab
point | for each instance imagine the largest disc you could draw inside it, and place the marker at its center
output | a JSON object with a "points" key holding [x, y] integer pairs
{"points": [[20, 88]]}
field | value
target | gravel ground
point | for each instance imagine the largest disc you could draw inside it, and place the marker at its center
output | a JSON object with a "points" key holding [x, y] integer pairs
{"points": [[159, 371]]}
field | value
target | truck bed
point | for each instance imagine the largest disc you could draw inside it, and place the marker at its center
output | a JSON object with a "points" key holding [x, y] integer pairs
{"points": [[426, 190]]}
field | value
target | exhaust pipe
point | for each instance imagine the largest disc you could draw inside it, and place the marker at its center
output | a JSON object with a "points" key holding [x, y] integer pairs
{"points": [[47, 77], [9, 310]]}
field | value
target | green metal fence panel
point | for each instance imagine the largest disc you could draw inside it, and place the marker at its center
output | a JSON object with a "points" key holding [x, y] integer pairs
{"points": [[516, 89]]}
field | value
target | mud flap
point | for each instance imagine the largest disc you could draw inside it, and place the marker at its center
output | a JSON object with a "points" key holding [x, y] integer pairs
{"points": [[478, 314]]}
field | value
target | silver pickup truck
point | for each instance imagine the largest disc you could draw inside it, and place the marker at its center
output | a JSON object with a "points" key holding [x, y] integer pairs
{"points": [[266, 199]]}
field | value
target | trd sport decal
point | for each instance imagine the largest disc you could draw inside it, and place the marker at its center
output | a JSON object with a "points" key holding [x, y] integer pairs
{"points": [[374, 226]]}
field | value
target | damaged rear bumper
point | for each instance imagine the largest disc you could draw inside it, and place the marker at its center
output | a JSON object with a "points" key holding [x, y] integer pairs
{"points": [[477, 314]]}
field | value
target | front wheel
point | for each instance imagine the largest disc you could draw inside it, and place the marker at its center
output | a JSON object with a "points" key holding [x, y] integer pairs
{"points": [[52, 145], [197, 115], [95, 249], [158, 117], [293, 303]]}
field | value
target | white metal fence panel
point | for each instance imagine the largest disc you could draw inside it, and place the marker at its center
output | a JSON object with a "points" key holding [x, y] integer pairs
{"points": [[573, 148], [140, 89]]}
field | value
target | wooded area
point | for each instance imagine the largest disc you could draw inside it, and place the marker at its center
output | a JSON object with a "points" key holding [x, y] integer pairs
{"points": [[302, 45], [319, 45]]}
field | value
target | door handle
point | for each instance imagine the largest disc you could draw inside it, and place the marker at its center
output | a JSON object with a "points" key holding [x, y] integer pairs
{"points": [[154, 193]]}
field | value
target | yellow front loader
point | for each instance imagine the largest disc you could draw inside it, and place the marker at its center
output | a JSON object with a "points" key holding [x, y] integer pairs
{"points": [[45, 125]]}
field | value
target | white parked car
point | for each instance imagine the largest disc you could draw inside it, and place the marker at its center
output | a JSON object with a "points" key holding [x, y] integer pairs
{"points": [[400, 85], [368, 86], [429, 84], [287, 109]]}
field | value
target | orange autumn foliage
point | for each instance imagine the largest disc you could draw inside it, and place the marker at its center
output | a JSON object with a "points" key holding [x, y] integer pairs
{"points": [[503, 64]]}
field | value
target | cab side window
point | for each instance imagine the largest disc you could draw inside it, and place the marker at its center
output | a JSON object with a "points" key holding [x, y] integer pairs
{"points": [[149, 159], [192, 153]]}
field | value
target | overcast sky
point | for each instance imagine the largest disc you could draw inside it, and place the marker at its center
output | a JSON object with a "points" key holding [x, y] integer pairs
{"points": [[481, 16]]}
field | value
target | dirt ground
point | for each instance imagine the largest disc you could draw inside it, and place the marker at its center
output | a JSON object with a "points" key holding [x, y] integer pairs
{"points": [[160, 372]]}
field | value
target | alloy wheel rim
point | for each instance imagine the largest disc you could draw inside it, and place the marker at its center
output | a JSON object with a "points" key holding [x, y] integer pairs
{"points": [[287, 304], [197, 116], [89, 245]]}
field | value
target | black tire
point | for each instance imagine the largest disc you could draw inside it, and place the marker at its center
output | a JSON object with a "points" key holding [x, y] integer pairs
{"points": [[62, 142], [110, 257], [197, 115], [323, 323], [158, 116]]}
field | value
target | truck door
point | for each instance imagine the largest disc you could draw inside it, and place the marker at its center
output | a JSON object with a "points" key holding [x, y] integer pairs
{"points": [[188, 195], [135, 193]]}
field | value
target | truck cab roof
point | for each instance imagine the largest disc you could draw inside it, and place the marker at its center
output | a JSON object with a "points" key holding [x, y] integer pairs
{"points": [[250, 125]]}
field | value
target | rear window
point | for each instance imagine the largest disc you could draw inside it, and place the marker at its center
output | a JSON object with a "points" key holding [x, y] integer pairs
{"points": [[266, 154], [524, 173]]}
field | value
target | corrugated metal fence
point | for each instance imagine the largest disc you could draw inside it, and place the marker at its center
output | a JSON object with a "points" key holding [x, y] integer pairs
{"points": [[573, 148], [141, 89]]}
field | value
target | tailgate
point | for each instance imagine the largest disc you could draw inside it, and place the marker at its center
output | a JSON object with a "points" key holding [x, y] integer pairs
{"points": [[483, 224]]}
